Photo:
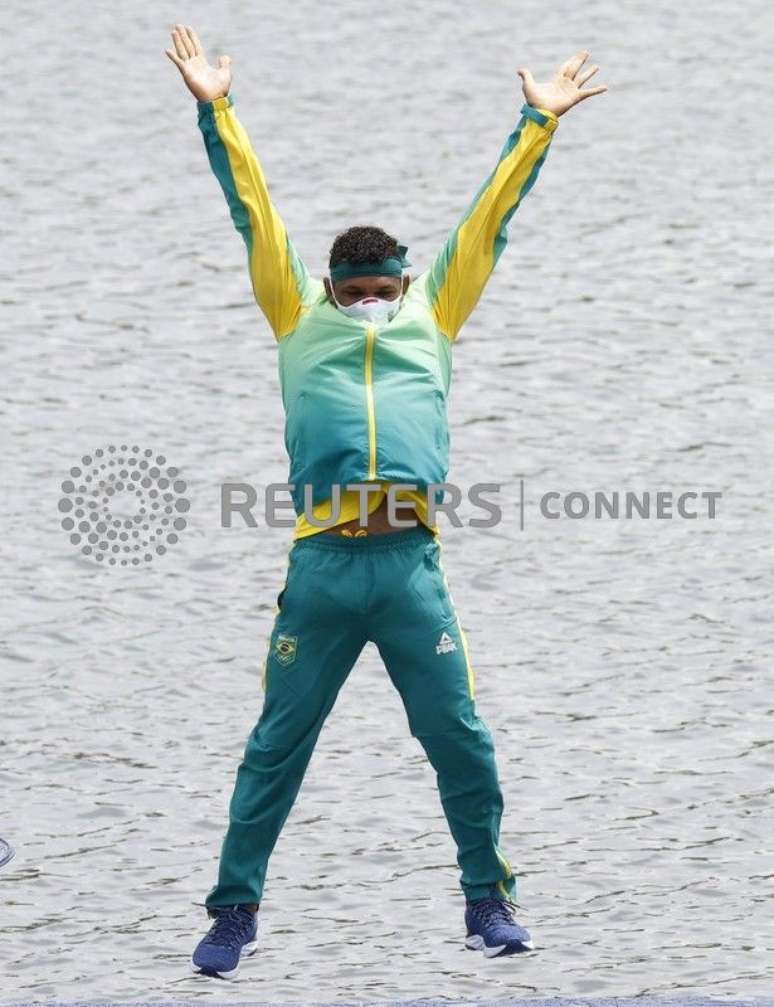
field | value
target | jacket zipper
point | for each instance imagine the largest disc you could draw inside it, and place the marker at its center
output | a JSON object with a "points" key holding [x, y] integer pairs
{"points": [[369, 384]]}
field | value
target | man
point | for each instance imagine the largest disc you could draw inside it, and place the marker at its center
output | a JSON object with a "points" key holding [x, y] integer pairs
{"points": [[365, 367]]}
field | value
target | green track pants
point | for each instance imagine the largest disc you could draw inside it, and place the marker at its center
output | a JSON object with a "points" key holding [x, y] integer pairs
{"points": [[339, 593]]}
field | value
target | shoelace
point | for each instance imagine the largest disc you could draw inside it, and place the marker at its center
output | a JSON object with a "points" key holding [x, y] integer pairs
{"points": [[495, 909], [229, 928]]}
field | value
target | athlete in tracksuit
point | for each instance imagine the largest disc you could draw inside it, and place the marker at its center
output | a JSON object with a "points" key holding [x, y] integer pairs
{"points": [[364, 387]]}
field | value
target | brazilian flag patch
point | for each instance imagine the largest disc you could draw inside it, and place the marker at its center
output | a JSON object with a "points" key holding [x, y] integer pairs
{"points": [[285, 648]]}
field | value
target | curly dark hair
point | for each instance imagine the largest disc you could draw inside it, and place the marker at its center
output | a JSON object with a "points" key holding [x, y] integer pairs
{"points": [[362, 244]]}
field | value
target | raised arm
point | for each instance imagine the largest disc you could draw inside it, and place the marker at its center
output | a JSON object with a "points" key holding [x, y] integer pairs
{"points": [[461, 269], [280, 280]]}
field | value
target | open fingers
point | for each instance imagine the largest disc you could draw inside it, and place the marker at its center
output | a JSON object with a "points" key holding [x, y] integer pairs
{"points": [[588, 92], [198, 47], [177, 41], [581, 79], [188, 46], [573, 64], [175, 58]]}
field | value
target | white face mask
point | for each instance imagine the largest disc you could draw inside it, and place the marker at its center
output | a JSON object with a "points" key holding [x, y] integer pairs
{"points": [[370, 309]]}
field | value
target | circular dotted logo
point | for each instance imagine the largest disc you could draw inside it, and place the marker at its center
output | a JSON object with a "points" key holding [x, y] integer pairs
{"points": [[123, 506]]}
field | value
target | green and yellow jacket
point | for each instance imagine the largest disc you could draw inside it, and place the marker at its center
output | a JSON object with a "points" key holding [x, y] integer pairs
{"points": [[366, 403]]}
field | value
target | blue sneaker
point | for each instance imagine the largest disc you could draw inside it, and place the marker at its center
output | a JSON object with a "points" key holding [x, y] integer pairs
{"points": [[232, 935], [493, 929]]}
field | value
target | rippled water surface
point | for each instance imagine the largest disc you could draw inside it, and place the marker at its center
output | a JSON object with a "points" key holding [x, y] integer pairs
{"points": [[624, 343]]}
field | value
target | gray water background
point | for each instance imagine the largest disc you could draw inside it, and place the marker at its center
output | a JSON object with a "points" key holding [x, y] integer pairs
{"points": [[624, 342]]}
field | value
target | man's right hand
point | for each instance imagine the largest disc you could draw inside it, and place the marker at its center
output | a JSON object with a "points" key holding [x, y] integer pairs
{"points": [[205, 82]]}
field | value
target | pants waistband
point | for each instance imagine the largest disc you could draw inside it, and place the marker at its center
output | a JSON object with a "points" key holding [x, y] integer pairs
{"points": [[366, 543]]}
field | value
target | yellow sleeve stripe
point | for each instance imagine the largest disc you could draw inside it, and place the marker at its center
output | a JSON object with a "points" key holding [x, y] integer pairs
{"points": [[277, 287], [472, 251]]}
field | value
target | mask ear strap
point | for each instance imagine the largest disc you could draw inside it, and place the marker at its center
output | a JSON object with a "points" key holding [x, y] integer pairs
{"points": [[333, 295]]}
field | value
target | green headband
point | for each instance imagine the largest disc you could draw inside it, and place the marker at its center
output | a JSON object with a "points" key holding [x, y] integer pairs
{"points": [[393, 265]]}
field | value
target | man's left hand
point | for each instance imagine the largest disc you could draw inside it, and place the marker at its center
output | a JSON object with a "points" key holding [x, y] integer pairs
{"points": [[565, 88]]}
